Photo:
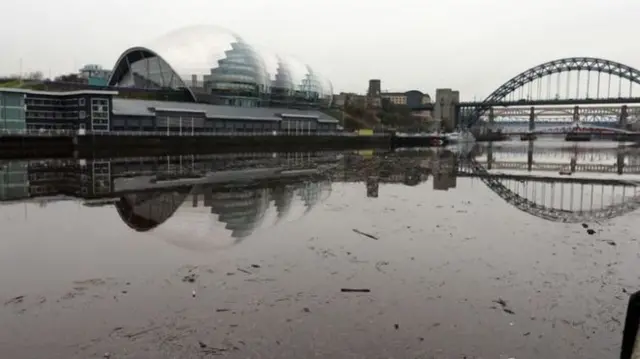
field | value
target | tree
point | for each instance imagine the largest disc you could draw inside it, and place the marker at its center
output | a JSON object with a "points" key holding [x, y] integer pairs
{"points": [[72, 78], [35, 76]]}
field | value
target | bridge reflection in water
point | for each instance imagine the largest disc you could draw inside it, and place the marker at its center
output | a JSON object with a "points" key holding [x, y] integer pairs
{"points": [[233, 195]]}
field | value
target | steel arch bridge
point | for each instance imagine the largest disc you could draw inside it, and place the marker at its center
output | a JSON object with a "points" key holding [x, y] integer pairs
{"points": [[528, 87], [550, 213]]}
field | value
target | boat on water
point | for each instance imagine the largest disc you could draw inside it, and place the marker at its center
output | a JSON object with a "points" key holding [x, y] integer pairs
{"points": [[460, 137]]}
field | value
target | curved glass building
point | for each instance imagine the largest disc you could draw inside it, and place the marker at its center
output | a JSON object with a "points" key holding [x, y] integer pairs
{"points": [[217, 66]]}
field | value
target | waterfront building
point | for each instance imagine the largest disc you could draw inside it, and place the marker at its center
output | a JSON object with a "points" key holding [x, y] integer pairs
{"points": [[217, 66], [94, 111]]}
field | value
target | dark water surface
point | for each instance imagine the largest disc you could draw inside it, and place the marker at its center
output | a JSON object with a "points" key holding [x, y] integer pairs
{"points": [[455, 270]]}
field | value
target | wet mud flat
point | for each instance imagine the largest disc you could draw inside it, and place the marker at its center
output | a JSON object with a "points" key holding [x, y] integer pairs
{"points": [[447, 275]]}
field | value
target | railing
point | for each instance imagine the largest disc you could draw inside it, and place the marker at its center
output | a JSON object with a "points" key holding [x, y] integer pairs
{"points": [[37, 133]]}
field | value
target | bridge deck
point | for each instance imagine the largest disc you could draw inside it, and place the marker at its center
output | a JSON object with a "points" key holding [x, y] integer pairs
{"points": [[549, 179]]}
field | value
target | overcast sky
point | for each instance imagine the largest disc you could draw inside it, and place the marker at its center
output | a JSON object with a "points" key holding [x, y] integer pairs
{"points": [[470, 45]]}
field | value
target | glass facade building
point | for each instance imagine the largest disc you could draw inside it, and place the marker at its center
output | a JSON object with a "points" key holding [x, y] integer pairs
{"points": [[12, 111], [217, 64]]}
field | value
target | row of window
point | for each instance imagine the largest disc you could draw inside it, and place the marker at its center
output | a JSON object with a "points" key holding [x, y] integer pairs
{"points": [[99, 114], [56, 115], [199, 122], [57, 102]]}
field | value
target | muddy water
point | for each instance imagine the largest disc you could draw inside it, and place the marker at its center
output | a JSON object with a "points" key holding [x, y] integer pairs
{"points": [[451, 274]]}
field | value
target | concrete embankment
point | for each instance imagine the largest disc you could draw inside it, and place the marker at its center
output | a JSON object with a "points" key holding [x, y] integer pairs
{"points": [[89, 145]]}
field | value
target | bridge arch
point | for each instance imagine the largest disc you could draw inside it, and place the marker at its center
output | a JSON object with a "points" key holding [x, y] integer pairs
{"points": [[550, 213], [591, 64]]}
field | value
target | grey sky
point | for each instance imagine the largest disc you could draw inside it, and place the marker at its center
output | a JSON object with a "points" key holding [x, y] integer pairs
{"points": [[470, 45]]}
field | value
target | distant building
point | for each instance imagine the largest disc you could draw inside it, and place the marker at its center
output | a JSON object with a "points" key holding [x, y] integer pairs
{"points": [[348, 99], [95, 75], [373, 94], [412, 99], [444, 107]]}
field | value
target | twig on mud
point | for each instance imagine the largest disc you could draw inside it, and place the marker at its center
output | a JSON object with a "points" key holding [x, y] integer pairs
{"points": [[352, 290], [365, 234]]}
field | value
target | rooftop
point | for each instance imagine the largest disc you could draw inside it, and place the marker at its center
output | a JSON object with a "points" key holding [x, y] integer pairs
{"points": [[133, 107]]}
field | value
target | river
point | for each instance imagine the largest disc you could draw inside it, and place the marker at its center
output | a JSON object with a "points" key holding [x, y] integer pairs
{"points": [[255, 255]]}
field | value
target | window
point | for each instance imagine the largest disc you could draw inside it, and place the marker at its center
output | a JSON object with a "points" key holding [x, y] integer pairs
{"points": [[13, 100], [14, 113], [81, 101], [82, 115]]}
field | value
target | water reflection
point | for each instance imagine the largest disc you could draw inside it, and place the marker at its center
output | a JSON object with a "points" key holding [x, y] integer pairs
{"points": [[447, 250], [248, 191]]}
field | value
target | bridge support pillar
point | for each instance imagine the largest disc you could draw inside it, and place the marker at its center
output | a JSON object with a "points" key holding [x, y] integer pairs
{"points": [[572, 164], [489, 155], [624, 114], [532, 119], [530, 156], [620, 162], [492, 118], [576, 115]]}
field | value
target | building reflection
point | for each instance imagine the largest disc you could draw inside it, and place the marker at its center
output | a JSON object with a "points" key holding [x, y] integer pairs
{"points": [[241, 209], [244, 192]]}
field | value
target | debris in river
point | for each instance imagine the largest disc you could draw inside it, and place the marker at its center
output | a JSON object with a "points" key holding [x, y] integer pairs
{"points": [[189, 278], [355, 290], [504, 305], [500, 301], [396, 326], [610, 242], [591, 231], [381, 264], [365, 234], [584, 225], [255, 266], [15, 300], [244, 271]]}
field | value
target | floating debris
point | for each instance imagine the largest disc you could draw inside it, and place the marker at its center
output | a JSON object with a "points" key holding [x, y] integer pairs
{"points": [[355, 290], [15, 300], [591, 231], [504, 305], [365, 234], [190, 278]]}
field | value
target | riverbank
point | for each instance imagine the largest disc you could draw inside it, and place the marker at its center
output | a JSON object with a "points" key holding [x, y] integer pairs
{"points": [[90, 145]]}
